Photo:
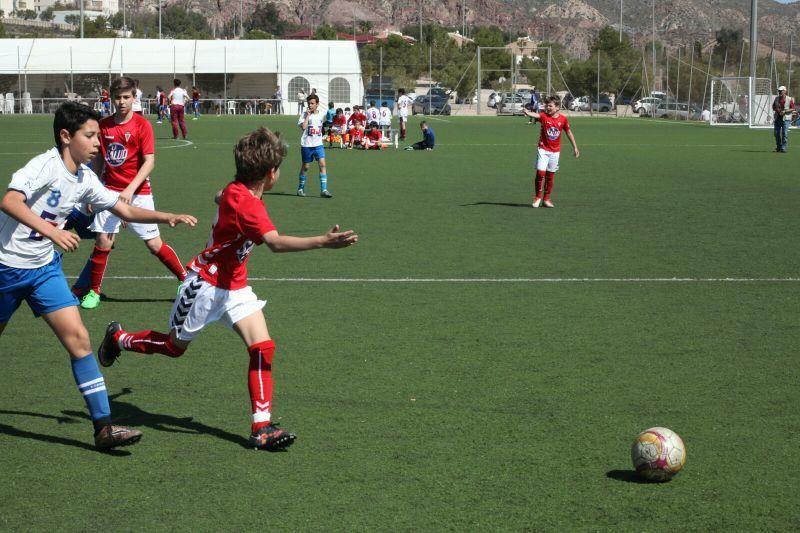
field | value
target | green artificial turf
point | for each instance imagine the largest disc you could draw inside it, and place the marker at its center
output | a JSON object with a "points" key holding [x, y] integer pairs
{"points": [[472, 364]]}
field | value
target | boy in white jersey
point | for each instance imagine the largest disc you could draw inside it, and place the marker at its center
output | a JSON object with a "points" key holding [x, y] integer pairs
{"points": [[137, 100], [34, 210], [385, 119], [373, 115], [403, 105], [311, 147]]}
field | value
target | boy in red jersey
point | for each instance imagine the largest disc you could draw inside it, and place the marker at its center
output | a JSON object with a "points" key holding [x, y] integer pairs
{"points": [[373, 139], [355, 135], [553, 124], [196, 102], [216, 289], [128, 150]]}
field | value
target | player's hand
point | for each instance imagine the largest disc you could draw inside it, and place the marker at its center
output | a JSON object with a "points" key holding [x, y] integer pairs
{"points": [[126, 197], [174, 220], [66, 240], [576, 152], [340, 239]]}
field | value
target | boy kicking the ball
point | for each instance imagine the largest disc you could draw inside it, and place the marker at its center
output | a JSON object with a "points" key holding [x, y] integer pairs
{"points": [[549, 152], [216, 288]]}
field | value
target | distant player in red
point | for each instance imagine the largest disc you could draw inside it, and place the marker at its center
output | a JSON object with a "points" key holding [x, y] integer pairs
{"points": [[549, 152], [373, 140], [105, 100], [355, 135], [196, 103], [216, 289], [128, 158], [358, 115]]}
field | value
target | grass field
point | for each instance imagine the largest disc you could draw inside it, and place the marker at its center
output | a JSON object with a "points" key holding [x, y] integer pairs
{"points": [[473, 364]]}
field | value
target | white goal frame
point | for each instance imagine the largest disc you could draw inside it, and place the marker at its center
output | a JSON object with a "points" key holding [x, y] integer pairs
{"points": [[741, 101]]}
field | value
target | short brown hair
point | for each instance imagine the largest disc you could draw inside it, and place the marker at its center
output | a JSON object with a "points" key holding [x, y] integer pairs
{"points": [[552, 99], [122, 84], [257, 153], [312, 96]]}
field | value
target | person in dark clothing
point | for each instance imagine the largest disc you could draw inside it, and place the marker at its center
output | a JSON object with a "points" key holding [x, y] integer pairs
{"points": [[428, 141]]}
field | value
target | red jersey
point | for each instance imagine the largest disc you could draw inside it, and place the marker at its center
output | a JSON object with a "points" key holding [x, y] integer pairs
{"points": [[195, 95], [104, 96], [356, 134], [123, 147], [361, 117], [374, 135], [162, 98], [239, 225], [339, 120], [552, 127]]}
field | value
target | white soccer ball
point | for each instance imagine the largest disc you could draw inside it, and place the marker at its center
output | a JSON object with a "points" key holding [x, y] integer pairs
{"points": [[658, 454]]}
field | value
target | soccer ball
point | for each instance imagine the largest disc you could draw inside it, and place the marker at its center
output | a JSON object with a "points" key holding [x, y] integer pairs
{"points": [[658, 454]]}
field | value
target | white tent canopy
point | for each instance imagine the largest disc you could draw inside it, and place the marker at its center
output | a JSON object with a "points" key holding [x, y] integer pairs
{"points": [[332, 67]]}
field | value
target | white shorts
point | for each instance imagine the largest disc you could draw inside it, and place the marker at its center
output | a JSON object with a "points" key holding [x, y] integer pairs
{"points": [[200, 303], [108, 222], [547, 160]]}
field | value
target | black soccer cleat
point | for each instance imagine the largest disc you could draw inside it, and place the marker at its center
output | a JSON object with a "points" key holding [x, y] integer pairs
{"points": [[271, 438], [113, 436], [108, 351]]}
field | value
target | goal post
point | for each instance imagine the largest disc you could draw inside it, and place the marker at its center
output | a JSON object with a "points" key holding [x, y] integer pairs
{"points": [[740, 101]]}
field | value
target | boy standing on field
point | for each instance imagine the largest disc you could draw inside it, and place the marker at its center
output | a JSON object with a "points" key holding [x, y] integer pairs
{"points": [[128, 158], [216, 289], [403, 105], [311, 147], [553, 124], [40, 197]]}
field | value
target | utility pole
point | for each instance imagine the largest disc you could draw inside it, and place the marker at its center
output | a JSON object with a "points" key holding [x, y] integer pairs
{"points": [[620, 20], [753, 37], [654, 47]]}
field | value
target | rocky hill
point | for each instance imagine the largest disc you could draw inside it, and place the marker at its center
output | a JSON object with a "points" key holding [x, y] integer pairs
{"points": [[571, 22]]}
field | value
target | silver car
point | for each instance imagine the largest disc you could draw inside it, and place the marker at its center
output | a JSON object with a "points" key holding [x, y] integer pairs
{"points": [[510, 104]]}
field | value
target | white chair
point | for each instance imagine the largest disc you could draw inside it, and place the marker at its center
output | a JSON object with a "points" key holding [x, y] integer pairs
{"points": [[9, 103], [231, 107], [27, 104], [2, 104]]}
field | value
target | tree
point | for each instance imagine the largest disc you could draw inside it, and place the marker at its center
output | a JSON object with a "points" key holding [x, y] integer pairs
{"points": [[47, 14], [28, 14], [729, 44], [95, 28], [325, 33], [267, 18], [257, 34]]}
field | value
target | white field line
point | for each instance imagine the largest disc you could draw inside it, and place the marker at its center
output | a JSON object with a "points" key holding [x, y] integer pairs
{"points": [[186, 143], [487, 280]]}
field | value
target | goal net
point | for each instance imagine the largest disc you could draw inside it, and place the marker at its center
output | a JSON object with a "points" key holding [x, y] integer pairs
{"points": [[741, 102]]}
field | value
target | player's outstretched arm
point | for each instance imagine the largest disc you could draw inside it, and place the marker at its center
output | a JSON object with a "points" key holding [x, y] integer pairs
{"points": [[131, 213], [288, 243], [571, 138], [529, 113], [13, 204]]}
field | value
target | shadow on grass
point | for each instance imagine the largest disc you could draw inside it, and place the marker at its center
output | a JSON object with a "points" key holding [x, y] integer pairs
{"points": [[130, 415], [501, 204], [628, 476], [12, 431]]}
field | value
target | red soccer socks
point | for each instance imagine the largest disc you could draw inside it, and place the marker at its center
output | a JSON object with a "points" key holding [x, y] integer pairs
{"points": [[259, 378]]}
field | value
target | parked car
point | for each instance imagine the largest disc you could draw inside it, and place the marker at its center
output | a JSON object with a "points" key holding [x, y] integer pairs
{"points": [[645, 105], [510, 103], [604, 105], [677, 110], [430, 105], [580, 103]]}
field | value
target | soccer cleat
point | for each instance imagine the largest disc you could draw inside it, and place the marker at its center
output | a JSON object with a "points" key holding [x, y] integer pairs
{"points": [[536, 202], [271, 438], [548, 203], [301, 192], [326, 194], [90, 300], [109, 350], [112, 436]]}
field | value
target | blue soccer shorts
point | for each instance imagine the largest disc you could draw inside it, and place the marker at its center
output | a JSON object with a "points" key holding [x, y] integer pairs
{"points": [[45, 289], [309, 154]]}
